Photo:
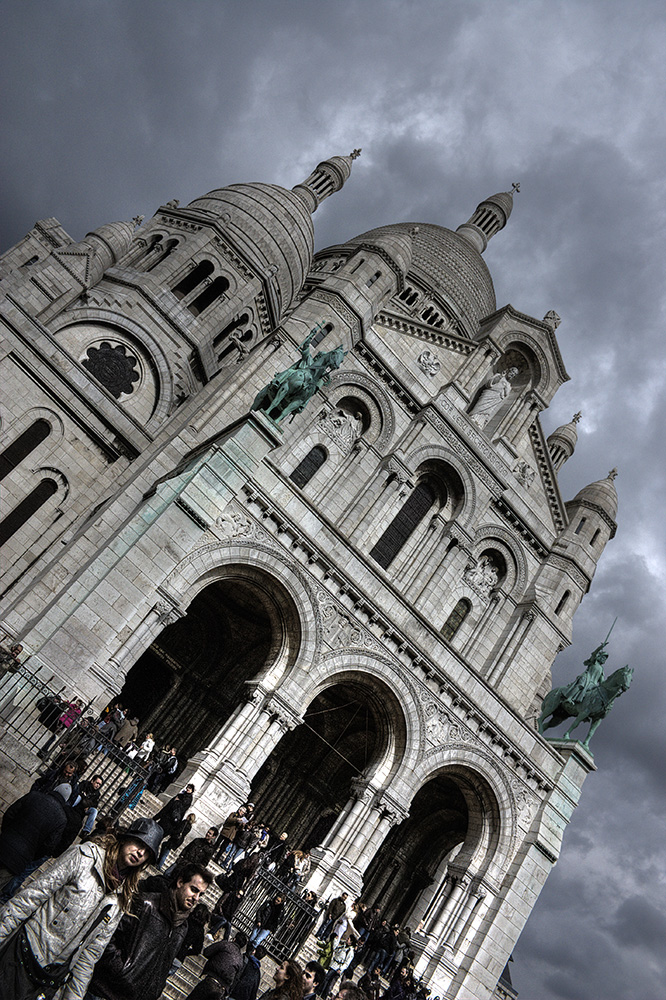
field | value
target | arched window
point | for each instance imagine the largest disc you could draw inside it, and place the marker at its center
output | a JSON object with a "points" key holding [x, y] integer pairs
{"points": [[306, 469], [23, 511], [562, 602], [164, 252], [319, 336], [375, 277], [215, 290], [403, 524], [26, 442], [194, 278], [456, 618]]}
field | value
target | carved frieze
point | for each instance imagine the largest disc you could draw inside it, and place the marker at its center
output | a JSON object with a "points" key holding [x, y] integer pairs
{"points": [[235, 524], [340, 631], [524, 473]]}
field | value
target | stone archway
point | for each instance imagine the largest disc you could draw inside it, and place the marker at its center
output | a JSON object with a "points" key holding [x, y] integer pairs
{"points": [[409, 860], [347, 730], [234, 629]]}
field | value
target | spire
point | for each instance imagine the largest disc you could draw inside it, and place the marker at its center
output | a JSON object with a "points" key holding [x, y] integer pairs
{"points": [[327, 178], [562, 442], [602, 493], [489, 217]]}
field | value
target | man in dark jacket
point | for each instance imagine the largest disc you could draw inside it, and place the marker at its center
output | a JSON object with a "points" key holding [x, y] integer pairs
{"points": [[198, 852], [171, 815], [267, 920], [31, 831], [225, 960], [248, 979], [137, 960]]}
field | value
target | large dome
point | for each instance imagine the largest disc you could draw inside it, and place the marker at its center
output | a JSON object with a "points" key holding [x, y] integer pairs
{"points": [[449, 265], [270, 225]]}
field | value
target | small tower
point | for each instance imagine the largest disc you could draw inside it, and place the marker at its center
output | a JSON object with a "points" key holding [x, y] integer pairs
{"points": [[327, 178], [562, 442], [488, 218]]}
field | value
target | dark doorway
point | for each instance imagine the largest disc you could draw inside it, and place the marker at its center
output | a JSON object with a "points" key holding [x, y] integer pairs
{"points": [[411, 854], [306, 781], [193, 676]]}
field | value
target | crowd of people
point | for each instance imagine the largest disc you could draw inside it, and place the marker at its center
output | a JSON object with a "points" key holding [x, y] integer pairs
{"points": [[92, 924]]}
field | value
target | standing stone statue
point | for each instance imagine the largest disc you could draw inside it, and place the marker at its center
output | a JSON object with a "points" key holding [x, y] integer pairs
{"points": [[290, 391], [492, 396]]}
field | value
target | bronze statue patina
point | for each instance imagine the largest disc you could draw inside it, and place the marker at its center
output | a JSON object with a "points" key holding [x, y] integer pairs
{"points": [[587, 699], [290, 391]]}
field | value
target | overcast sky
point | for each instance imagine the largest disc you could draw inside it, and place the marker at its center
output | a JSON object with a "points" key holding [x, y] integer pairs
{"points": [[113, 108]]}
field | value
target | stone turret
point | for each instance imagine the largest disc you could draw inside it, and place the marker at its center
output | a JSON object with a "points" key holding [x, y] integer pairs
{"points": [[488, 218], [327, 178], [562, 442]]}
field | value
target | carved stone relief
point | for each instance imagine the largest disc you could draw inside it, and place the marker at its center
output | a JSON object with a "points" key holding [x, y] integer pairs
{"points": [[429, 363], [343, 428], [524, 473], [340, 631]]}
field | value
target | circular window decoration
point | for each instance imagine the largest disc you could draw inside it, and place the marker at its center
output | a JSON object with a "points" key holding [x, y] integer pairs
{"points": [[114, 367]]}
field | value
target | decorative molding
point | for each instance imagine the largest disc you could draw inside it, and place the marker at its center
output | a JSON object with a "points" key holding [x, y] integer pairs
{"points": [[422, 332], [461, 450], [547, 475], [340, 630]]}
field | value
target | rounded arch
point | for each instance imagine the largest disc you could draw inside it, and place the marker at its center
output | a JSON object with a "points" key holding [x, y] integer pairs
{"points": [[353, 729], [395, 699], [376, 399], [13, 429], [293, 602], [94, 326], [523, 351], [491, 536], [449, 465], [490, 841]]}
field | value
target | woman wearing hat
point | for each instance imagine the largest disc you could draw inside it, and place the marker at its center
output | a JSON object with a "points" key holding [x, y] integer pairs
{"points": [[54, 930]]}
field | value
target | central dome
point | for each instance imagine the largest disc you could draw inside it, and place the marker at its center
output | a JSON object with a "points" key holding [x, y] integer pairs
{"points": [[449, 265], [271, 226]]}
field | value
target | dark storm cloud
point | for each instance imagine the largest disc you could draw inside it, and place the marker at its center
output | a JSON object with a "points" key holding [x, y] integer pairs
{"points": [[112, 108]]}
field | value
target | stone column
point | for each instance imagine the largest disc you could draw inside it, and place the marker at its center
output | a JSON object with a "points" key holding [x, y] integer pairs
{"points": [[224, 771], [354, 839], [112, 673]]}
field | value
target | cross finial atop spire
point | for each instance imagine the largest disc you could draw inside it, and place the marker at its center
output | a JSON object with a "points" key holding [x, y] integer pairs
{"points": [[612, 474], [515, 187], [576, 417], [355, 153]]}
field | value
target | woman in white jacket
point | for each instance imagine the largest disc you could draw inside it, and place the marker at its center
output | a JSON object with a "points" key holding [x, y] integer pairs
{"points": [[54, 930]]}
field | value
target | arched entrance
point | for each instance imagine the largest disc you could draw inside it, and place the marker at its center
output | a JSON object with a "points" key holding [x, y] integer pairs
{"points": [[190, 680], [410, 858], [347, 730]]}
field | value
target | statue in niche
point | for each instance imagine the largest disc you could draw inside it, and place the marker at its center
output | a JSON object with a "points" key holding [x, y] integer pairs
{"points": [[290, 391], [492, 396], [483, 576], [587, 699], [343, 427]]}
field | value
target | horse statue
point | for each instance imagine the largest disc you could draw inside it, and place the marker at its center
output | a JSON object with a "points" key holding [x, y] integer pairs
{"points": [[593, 706], [289, 392]]}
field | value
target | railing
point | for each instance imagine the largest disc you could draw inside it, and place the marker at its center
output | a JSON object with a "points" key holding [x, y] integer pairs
{"points": [[298, 916], [30, 712]]}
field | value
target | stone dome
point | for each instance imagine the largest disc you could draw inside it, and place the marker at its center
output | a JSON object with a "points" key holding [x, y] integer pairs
{"points": [[602, 493], [448, 264], [269, 224]]}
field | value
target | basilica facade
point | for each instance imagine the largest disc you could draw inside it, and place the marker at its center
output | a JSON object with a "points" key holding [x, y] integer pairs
{"points": [[350, 616]]}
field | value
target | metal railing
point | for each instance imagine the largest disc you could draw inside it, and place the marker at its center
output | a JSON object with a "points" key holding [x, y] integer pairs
{"points": [[31, 711], [297, 919]]}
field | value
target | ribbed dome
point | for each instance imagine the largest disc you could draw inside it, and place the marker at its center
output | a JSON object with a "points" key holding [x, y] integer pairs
{"points": [[602, 493], [399, 246], [448, 264], [271, 225]]}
